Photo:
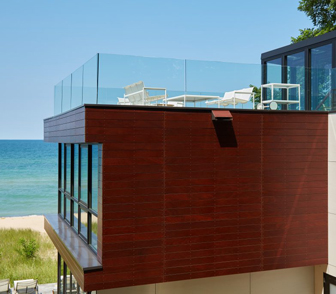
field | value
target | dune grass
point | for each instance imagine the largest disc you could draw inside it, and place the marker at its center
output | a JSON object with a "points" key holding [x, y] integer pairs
{"points": [[15, 266]]}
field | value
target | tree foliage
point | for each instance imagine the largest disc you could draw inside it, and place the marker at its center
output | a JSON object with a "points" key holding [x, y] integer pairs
{"points": [[323, 15]]}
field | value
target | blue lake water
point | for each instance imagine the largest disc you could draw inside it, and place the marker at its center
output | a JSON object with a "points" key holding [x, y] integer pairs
{"points": [[28, 177]]}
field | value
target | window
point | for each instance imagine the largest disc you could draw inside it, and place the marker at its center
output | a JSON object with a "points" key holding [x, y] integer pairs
{"points": [[329, 284], [66, 281], [296, 75], [273, 75], [84, 174], [79, 166], [321, 77]]}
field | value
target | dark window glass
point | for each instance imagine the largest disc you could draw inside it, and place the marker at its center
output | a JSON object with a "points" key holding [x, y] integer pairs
{"points": [[76, 154], [75, 224], [95, 170], [68, 169], [84, 223], [62, 167], [62, 204], [84, 174], [67, 208], [94, 231], [321, 77], [296, 75]]}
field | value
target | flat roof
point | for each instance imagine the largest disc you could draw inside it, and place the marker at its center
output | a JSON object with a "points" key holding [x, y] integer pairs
{"points": [[300, 45]]}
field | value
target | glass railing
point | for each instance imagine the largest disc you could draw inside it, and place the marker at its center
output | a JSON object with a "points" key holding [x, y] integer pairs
{"points": [[133, 80]]}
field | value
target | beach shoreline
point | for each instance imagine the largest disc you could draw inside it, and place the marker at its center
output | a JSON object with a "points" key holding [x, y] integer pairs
{"points": [[33, 222]]}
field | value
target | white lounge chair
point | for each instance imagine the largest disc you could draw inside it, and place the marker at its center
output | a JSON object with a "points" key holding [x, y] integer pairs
{"points": [[137, 94], [234, 97], [123, 101], [4, 286], [26, 286]]}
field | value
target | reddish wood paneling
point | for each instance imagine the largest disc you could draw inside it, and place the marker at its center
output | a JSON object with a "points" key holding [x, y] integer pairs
{"points": [[184, 197]]}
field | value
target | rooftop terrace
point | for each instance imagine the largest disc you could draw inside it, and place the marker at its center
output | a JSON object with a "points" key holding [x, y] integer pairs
{"points": [[132, 80]]}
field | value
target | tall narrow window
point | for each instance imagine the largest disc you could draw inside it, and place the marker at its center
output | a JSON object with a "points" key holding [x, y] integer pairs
{"points": [[68, 169], [321, 77], [274, 75], [62, 166], [95, 171], [296, 75], [76, 179], [84, 174]]}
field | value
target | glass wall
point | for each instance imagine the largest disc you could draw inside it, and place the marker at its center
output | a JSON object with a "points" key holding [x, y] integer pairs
{"points": [[113, 79], [77, 88], [66, 281], [79, 182], [296, 75], [273, 75], [321, 65]]}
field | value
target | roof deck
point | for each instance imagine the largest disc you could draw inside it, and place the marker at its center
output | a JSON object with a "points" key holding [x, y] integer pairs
{"points": [[131, 80]]}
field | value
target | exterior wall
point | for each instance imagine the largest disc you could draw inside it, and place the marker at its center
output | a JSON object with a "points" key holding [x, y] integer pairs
{"points": [[332, 195], [66, 128], [285, 281], [188, 198]]}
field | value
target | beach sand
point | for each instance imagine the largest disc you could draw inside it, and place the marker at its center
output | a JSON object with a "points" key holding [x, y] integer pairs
{"points": [[34, 222]]}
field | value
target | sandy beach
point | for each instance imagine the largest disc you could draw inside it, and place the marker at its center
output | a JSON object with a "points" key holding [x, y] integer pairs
{"points": [[34, 222]]}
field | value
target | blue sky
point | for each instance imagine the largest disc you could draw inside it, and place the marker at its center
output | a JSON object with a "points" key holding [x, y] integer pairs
{"points": [[42, 41]]}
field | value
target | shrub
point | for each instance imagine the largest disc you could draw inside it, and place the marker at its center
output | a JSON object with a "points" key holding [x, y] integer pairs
{"points": [[29, 248]]}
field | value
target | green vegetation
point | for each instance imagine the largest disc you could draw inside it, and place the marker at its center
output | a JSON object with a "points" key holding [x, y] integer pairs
{"points": [[94, 226], [28, 248], [257, 95], [26, 254], [323, 15]]}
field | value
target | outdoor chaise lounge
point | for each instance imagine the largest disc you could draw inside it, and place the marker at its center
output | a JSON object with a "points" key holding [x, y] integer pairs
{"points": [[4, 286], [26, 286], [234, 97], [137, 94], [123, 101]]}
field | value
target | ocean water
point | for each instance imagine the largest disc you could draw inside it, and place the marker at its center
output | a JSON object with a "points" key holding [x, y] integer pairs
{"points": [[28, 177]]}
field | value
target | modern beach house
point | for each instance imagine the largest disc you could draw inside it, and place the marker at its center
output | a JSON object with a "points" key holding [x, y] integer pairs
{"points": [[183, 176]]}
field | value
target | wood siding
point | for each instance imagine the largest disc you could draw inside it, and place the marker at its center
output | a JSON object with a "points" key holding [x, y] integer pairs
{"points": [[185, 197]]}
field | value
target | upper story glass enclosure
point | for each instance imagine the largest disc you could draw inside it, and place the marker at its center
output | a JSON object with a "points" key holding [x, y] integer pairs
{"points": [[293, 81], [311, 64]]}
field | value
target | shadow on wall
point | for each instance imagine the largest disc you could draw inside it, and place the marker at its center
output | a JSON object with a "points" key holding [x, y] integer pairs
{"points": [[225, 133]]}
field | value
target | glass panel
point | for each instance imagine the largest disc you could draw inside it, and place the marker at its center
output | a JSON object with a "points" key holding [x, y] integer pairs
{"points": [[67, 208], [66, 101], [274, 75], [215, 79], [95, 169], [75, 224], [94, 231], [296, 75], [73, 284], [68, 168], [61, 275], [321, 78], [332, 289], [62, 167], [76, 152], [84, 174], [77, 88], [119, 71], [84, 222], [58, 98], [62, 204], [90, 81]]}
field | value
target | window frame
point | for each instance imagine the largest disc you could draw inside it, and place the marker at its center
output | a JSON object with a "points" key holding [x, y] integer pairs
{"points": [[82, 206]]}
